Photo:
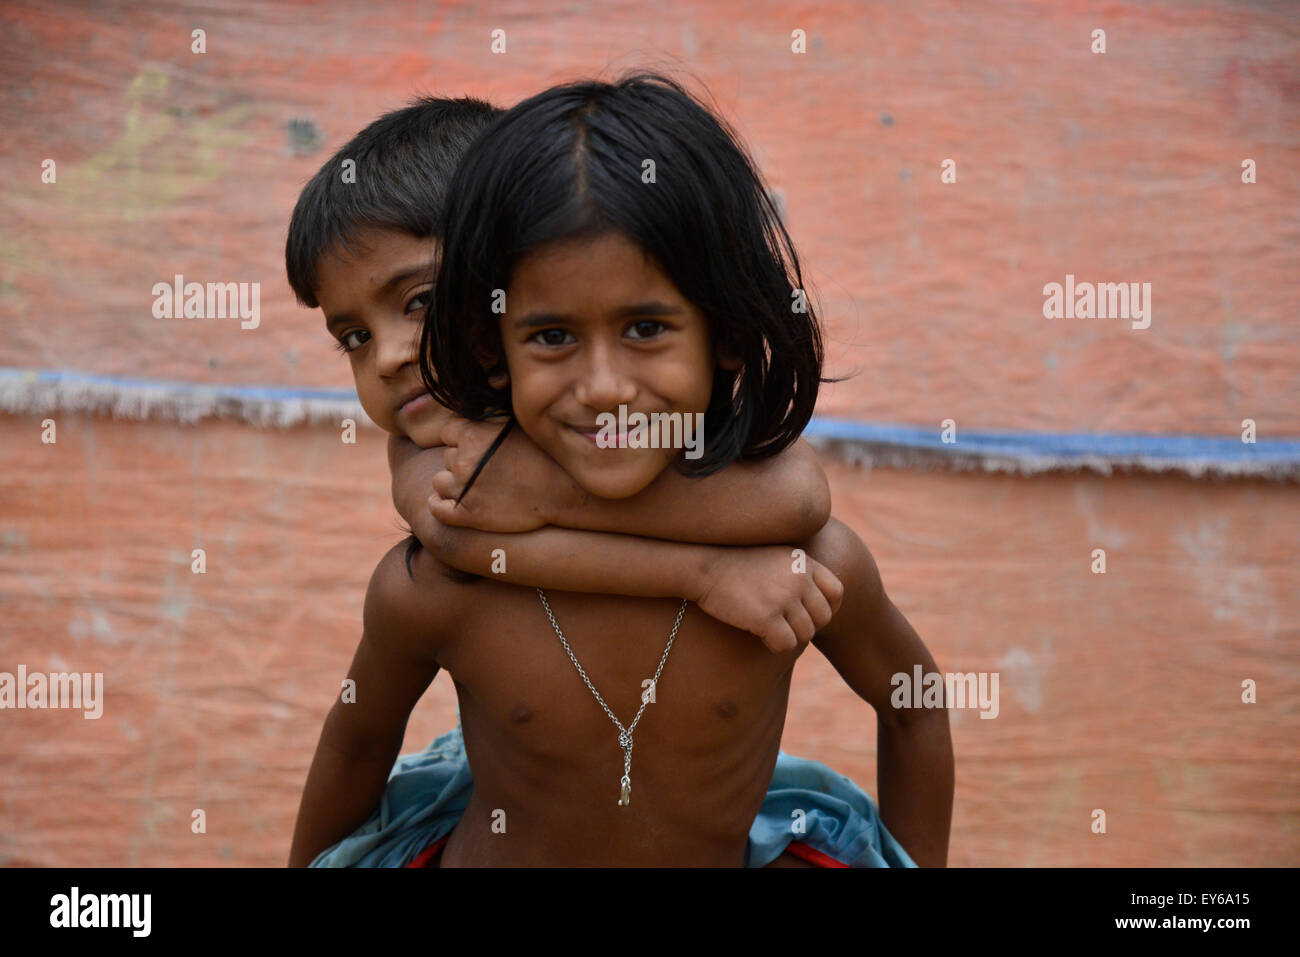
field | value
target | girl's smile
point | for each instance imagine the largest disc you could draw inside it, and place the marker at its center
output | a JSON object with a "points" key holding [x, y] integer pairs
{"points": [[619, 438], [592, 324]]}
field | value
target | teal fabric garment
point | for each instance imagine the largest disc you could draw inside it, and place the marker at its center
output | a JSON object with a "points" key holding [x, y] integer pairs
{"points": [[425, 797], [428, 792], [810, 803]]}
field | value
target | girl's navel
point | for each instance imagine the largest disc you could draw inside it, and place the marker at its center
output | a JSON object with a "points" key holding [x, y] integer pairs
{"points": [[519, 714]]}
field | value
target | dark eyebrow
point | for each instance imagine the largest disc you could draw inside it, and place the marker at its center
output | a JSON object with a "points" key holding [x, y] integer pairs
{"points": [[538, 320], [402, 274]]}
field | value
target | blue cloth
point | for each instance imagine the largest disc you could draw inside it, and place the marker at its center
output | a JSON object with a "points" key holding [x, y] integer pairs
{"points": [[810, 803], [428, 792]]}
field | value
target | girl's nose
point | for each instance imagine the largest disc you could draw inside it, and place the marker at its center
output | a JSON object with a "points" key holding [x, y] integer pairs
{"points": [[604, 384]]}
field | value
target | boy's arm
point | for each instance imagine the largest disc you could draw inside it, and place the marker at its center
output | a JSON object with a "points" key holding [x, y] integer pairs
{"points": [[783, 498], [868, 642], [767, 590], [780, 499], [393, 666], [755, 589]]}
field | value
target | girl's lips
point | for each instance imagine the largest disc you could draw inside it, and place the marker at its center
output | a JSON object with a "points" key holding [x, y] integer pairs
{"points": [[620, 439]]}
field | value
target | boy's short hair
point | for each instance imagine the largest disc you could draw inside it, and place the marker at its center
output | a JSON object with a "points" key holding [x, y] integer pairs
{"points": [[403, 165]]}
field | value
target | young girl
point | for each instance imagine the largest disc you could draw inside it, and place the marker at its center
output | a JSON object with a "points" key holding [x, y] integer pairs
{"points": [[608, 248]]}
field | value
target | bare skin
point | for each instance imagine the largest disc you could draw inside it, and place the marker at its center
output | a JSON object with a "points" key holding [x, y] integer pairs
{"points": [[537, 752], [545, 754], [373, 297], [372, 300], [751, 588]]}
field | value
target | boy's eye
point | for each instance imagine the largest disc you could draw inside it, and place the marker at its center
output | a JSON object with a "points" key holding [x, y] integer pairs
{"points": [[420, 301], [549, 332], [655, 325], [352, 340]]}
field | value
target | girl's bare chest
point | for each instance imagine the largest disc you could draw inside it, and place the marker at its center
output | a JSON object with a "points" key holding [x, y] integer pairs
{"points": [[509, 656]]}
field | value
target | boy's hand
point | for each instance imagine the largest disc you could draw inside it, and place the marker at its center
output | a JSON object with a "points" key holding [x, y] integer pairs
{"points": [[757, 590], [518, 490]]}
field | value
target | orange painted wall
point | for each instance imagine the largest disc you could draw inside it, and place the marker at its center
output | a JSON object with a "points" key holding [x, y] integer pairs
{"points": [[1117, 167], [1119, 691]]}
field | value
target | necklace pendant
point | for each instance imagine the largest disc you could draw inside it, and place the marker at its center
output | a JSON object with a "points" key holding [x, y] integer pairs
{"points": [[625, 798]]}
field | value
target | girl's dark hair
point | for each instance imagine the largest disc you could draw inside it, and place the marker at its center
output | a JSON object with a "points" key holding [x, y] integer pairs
{"points": [[569, 162]]}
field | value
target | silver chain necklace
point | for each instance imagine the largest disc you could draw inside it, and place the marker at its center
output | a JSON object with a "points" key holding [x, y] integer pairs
{"points": [[624, 734]]}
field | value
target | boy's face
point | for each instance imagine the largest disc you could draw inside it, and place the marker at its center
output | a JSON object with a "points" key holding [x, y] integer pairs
{"points": [[373, 299], [590, 325]]}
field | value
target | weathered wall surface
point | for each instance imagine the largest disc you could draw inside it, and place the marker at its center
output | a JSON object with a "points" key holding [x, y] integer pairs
{"points": [[1118, 167], [1119, 692]]}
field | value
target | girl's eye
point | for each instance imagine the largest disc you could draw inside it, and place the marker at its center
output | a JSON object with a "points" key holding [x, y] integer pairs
{"points": [[419, 301], [655, 324], [547, 332], [352, 340]]}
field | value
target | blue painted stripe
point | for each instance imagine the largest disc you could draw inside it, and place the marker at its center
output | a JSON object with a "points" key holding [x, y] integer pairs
{"points": [[193, 388], [1015, 445], [1057, 445]]}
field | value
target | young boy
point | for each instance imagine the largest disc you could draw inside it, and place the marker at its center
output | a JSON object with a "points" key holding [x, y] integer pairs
{"points": [[364, 252]]}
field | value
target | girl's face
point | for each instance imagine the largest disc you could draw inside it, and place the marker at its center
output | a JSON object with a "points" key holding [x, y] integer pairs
{"points": [[591, 325]]}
